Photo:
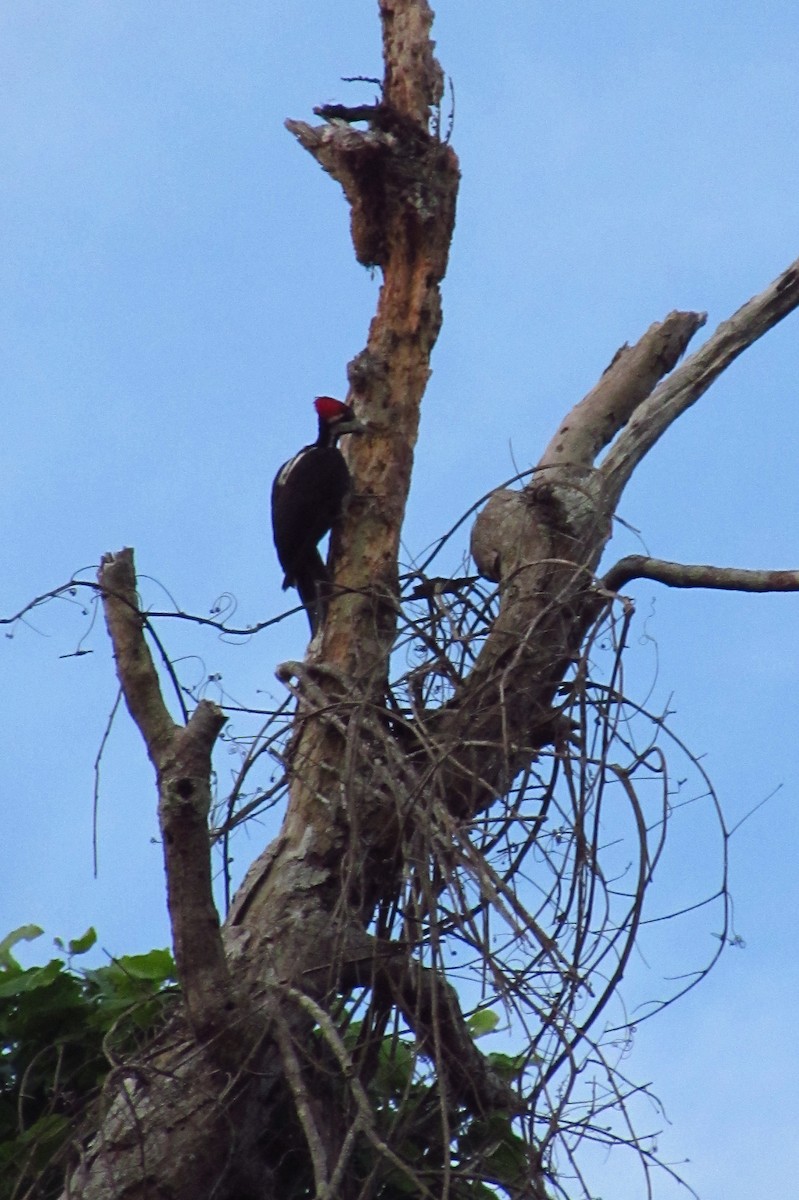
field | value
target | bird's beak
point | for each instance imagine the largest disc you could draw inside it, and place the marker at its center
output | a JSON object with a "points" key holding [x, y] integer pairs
{"points": [[351, 426]]}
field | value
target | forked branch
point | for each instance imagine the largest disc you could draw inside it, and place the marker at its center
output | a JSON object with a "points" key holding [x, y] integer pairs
{"points": [[181, 756], [692, 379], [635, 370]]}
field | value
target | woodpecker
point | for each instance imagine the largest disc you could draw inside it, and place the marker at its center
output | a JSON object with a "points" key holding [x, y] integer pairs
{"points": [[308, 495]]}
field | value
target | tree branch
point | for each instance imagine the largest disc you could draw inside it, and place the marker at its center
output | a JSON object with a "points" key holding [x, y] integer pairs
{"points": [[366, 1115], [691, 380], [543, 544], [594, 422], [431, 1007], [687, 575], [135, 669], [513, 530], [413, 82], [182, 760], [184, 786], [304, 1105]]}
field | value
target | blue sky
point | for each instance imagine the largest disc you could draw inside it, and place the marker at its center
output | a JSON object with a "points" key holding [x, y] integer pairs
{"points": [[177, 283]]}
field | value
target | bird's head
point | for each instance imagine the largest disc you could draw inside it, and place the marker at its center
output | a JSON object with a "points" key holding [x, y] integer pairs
{"points": [[337, 418]]}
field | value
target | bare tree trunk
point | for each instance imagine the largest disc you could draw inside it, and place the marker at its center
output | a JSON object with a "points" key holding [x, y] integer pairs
{"points": [[229, 1103]]}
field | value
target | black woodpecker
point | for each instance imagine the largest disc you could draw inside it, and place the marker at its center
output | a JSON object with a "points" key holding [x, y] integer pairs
{"points": [[307, 498]]}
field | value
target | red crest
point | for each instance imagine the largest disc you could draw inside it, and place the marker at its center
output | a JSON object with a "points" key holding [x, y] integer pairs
{"points": [[330, 409]]}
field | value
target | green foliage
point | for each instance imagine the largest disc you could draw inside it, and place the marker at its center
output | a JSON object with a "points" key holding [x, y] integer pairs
{"points": [[61, 1028], [488, 1158], [482, 1022]]}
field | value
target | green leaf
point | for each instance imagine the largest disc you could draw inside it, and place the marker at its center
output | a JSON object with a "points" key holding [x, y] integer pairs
{"points": [[351, 1034], [25, 933], [46, 1129], [482, 1022], [509, 1161], [508, 1066], [503, 1155], [82, 944], [395, 1065], [157, 966], [29, 981], [399, 1182]]}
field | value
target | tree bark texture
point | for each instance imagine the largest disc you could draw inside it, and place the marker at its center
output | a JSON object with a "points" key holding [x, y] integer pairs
{"points": [[226, 1096]]}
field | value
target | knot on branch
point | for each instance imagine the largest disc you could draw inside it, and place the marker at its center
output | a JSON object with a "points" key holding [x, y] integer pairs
{"points": [[503, 534], [548, 520], [570, 501]]}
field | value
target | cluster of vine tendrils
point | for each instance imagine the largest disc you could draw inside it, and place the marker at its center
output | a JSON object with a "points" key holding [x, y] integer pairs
{"points": [[536, 906]]}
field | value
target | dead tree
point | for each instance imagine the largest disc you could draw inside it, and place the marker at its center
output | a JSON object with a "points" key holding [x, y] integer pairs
{"points": [[259, 1087]]}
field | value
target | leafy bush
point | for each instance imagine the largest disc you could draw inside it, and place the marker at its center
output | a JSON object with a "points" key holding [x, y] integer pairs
{"points": [[61, 1029]]}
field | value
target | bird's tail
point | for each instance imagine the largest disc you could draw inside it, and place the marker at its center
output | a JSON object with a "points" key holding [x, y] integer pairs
{"points": [[311, 579]]}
